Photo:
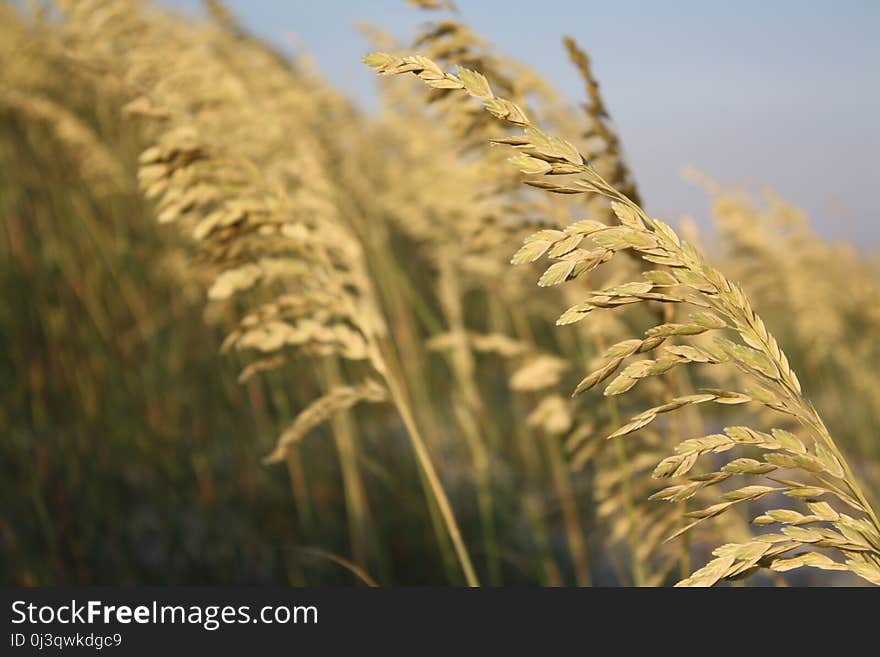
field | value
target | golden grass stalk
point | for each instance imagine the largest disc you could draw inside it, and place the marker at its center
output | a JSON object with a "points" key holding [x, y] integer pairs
{"points": [[722, 305], [263, 221]]}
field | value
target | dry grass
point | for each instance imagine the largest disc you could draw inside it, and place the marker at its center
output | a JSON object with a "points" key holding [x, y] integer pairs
{"points": [[817, 462], [193, 189]]}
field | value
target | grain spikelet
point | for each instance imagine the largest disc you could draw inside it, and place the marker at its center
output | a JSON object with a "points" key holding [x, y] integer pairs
{"points": [[320, 410]]}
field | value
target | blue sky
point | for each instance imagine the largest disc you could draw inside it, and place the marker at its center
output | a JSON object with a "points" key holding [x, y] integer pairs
{"points": [[782, 93]]}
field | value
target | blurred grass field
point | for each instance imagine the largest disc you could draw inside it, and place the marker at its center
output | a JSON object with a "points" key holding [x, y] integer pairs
{"points": [[130, 453]]}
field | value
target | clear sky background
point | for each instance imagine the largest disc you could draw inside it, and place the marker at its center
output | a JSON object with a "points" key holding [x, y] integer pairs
{"points": [[780, 93]]}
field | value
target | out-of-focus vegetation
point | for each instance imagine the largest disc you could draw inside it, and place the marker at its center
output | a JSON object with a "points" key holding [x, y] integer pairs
{"points": [[406, 383]]}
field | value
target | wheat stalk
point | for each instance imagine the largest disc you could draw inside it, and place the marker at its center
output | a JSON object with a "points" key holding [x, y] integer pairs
{"points": [[262, 220], [722, 306]]}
